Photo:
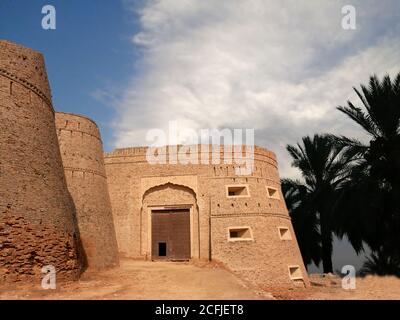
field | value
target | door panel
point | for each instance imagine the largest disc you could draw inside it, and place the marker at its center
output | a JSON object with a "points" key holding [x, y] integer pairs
{"points": [[170, 234]]}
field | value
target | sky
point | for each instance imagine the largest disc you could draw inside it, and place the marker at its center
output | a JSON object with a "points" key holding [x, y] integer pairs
{"points": [[280, 67]]}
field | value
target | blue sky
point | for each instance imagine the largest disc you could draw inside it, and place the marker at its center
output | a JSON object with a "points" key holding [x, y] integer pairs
{"points": [[89, 50], [280, 67]]}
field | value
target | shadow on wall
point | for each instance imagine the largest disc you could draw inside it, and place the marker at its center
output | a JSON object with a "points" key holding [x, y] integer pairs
{"points": [[82, 257]]}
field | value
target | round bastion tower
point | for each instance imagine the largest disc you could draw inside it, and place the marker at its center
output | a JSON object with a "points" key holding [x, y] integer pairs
{"points": [[203, 210], [37, 215], [82, 154]]}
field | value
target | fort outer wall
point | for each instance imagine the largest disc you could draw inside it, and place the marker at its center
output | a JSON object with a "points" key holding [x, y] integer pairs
{"points": [[37, 215], [82, 154], [267, 255]]}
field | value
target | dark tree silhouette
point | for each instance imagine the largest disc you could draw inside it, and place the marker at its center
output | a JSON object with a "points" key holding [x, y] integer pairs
{"points": [[324, 165], [381, 263], [305, 222], [368, 209]]}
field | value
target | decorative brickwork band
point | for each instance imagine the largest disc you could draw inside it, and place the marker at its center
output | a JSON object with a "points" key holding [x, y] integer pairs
{"points": [[27, 85], [101, 174]]}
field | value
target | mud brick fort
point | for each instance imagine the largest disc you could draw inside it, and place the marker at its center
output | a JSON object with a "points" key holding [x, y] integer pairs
{"points": [[63, 202]]}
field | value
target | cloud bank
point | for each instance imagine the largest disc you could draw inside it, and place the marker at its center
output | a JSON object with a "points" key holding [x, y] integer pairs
{"points": [[280, 67]]}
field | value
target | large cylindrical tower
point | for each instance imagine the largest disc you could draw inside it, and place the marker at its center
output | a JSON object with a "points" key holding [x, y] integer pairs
{"points": [[82, 155], [37, 215]]}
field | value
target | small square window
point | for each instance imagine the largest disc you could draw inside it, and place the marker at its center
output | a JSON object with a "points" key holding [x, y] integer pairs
{"points": [[295, 273], [237, 191], [284, 233], [240, 234], [273, 193]]}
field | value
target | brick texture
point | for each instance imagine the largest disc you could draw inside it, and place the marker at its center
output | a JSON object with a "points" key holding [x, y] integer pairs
{"points": [[32, 182], [136, 187], [81, 207], [82, 155]]}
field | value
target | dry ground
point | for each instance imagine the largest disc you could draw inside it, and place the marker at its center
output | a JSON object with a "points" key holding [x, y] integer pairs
{"points": [[326, 287], [148, 280], [167, 280]]}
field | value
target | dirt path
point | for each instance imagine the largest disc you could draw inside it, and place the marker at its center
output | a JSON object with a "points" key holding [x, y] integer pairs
{"points": [[168, 280], [148, 280]]}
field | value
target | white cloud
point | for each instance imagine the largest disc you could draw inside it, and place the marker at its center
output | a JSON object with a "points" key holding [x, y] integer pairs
{"points": [[280, 67]]}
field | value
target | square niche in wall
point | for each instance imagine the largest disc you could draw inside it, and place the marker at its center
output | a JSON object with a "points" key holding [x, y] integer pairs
{"points": [[240, 234], [284, 233], [236, 191], [295, 273], [273, 193]]}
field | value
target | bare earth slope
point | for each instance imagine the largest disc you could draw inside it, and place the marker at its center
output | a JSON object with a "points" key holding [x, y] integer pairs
{"points": [[147, 280], [167, 280]]}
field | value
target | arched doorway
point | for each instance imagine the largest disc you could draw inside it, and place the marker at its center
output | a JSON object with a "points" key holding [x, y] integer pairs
{"points": [[171, 224]]}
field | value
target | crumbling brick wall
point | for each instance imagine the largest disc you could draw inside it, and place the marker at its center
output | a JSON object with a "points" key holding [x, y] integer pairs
{"points": [[25, 248], [32, 181]]}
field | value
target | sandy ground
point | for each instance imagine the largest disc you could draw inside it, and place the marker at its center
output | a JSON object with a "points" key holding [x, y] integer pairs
{"points": [[147, 280], [329, 287], [168, 280]]}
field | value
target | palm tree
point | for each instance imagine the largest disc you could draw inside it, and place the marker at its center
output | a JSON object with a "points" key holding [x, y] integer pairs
{"points": [[304, 221], [381, 263], [369, 206], [324, 165]]}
